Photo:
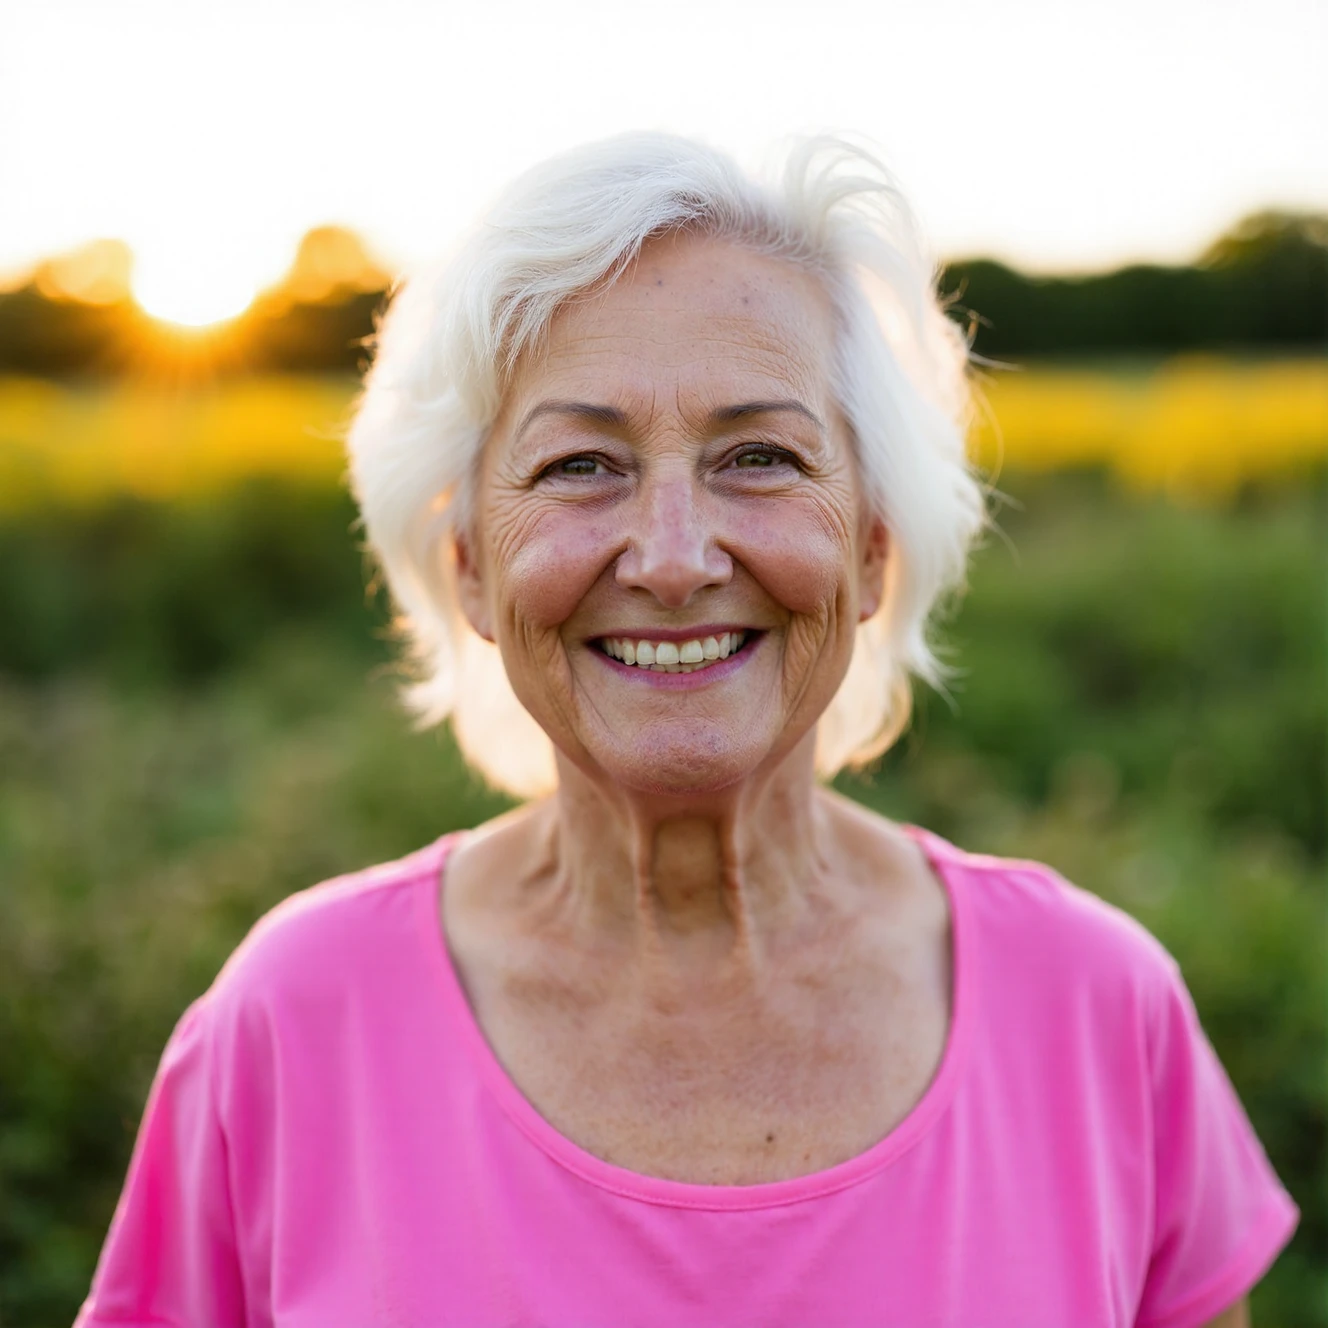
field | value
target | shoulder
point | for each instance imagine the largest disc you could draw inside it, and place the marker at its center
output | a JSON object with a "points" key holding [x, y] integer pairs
{"points": [[1033, 926], [324, 941]]}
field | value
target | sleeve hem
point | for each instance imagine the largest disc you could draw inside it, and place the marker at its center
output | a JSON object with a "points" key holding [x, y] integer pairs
{"points": [[1240, 1274]]}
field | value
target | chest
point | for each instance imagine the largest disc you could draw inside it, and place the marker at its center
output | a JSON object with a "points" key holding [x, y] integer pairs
{"points": [[716, 1080]]}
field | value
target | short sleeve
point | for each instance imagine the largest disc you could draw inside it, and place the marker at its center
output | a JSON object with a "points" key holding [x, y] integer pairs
{"points": [[1221, 1215], [170, 1259]]}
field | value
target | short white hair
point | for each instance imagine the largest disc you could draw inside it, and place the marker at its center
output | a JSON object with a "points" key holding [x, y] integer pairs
{"points": [[449, 340]]}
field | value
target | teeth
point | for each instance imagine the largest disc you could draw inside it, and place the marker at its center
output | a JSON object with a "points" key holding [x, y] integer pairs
{"points": [[674, 656]]}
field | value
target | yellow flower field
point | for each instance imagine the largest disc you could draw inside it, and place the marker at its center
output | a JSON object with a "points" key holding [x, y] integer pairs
{"points": [[81, 444], [1193, 427]]}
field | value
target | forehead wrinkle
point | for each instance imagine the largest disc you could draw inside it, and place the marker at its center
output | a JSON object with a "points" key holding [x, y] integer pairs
{"points": [[733, 368], [635, 346], [629, 308], [791, 339]]}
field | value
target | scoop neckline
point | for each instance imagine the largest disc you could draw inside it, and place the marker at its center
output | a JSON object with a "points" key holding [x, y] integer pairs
{"points": [[658, 1190]]}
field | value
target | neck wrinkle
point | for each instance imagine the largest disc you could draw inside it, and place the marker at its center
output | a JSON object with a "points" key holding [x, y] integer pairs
{"points": [[720, 870]]}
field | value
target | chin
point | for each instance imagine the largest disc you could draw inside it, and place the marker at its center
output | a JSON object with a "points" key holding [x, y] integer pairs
{"points": [[683, 761]]}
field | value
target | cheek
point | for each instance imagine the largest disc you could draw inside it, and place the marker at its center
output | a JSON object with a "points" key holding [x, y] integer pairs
{"points": [[800, 554], [550, 560]]}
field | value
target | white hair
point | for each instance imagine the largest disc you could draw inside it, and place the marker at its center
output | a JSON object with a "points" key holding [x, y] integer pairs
{"points": [[451, 336]]}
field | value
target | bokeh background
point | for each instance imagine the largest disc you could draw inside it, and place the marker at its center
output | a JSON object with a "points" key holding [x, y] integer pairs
{"points": [[201, 211]]}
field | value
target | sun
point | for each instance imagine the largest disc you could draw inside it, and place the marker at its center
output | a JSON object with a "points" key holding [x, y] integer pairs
{"points": [[193, 289]]}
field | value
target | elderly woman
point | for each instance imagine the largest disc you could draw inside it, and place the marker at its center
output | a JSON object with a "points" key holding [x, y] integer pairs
{"points": [[666, 471]]}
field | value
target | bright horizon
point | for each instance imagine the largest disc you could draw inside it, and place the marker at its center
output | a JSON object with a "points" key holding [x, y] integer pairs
{"points": [[1054, 137]]}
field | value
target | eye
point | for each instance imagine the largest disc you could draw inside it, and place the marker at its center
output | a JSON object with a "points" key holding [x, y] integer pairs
{"points": [[574, 467], [763, 457]]}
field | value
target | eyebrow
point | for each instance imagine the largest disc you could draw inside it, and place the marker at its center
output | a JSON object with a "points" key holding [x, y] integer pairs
{"points": [[728, 414], [609, 416], [612, 417]]}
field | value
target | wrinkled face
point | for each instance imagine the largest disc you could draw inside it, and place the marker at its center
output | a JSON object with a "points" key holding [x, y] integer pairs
{"points": [[670, 544]]}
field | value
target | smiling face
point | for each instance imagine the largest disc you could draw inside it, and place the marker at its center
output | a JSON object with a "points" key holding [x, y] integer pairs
{"points": [[669, 477]]}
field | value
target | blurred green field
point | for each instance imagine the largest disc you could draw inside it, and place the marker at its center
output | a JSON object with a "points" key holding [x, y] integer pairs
{"points": [[196, 718]]}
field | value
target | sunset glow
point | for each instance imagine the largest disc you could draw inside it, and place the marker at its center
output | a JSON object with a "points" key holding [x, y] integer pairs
{"points": [[136, 128], [192, 290]]}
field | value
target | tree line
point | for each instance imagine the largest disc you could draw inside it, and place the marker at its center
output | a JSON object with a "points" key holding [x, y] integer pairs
{"points": [[1262, 286]]}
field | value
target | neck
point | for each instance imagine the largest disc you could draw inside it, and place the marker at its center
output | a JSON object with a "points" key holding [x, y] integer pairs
{"points": [[719, 870]]}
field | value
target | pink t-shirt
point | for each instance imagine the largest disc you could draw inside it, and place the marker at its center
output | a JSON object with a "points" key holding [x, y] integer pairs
{"points": [[330, 1143]]}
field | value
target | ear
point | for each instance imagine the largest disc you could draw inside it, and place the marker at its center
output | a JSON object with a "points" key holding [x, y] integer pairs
{"points": [[470, 585], [875, 552]]}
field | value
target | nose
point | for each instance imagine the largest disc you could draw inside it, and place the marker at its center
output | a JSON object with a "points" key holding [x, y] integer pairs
{"points": [[674, 550]]}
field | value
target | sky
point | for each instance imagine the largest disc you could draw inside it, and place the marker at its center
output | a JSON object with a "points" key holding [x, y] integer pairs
{"points": [[1061, 135]]}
